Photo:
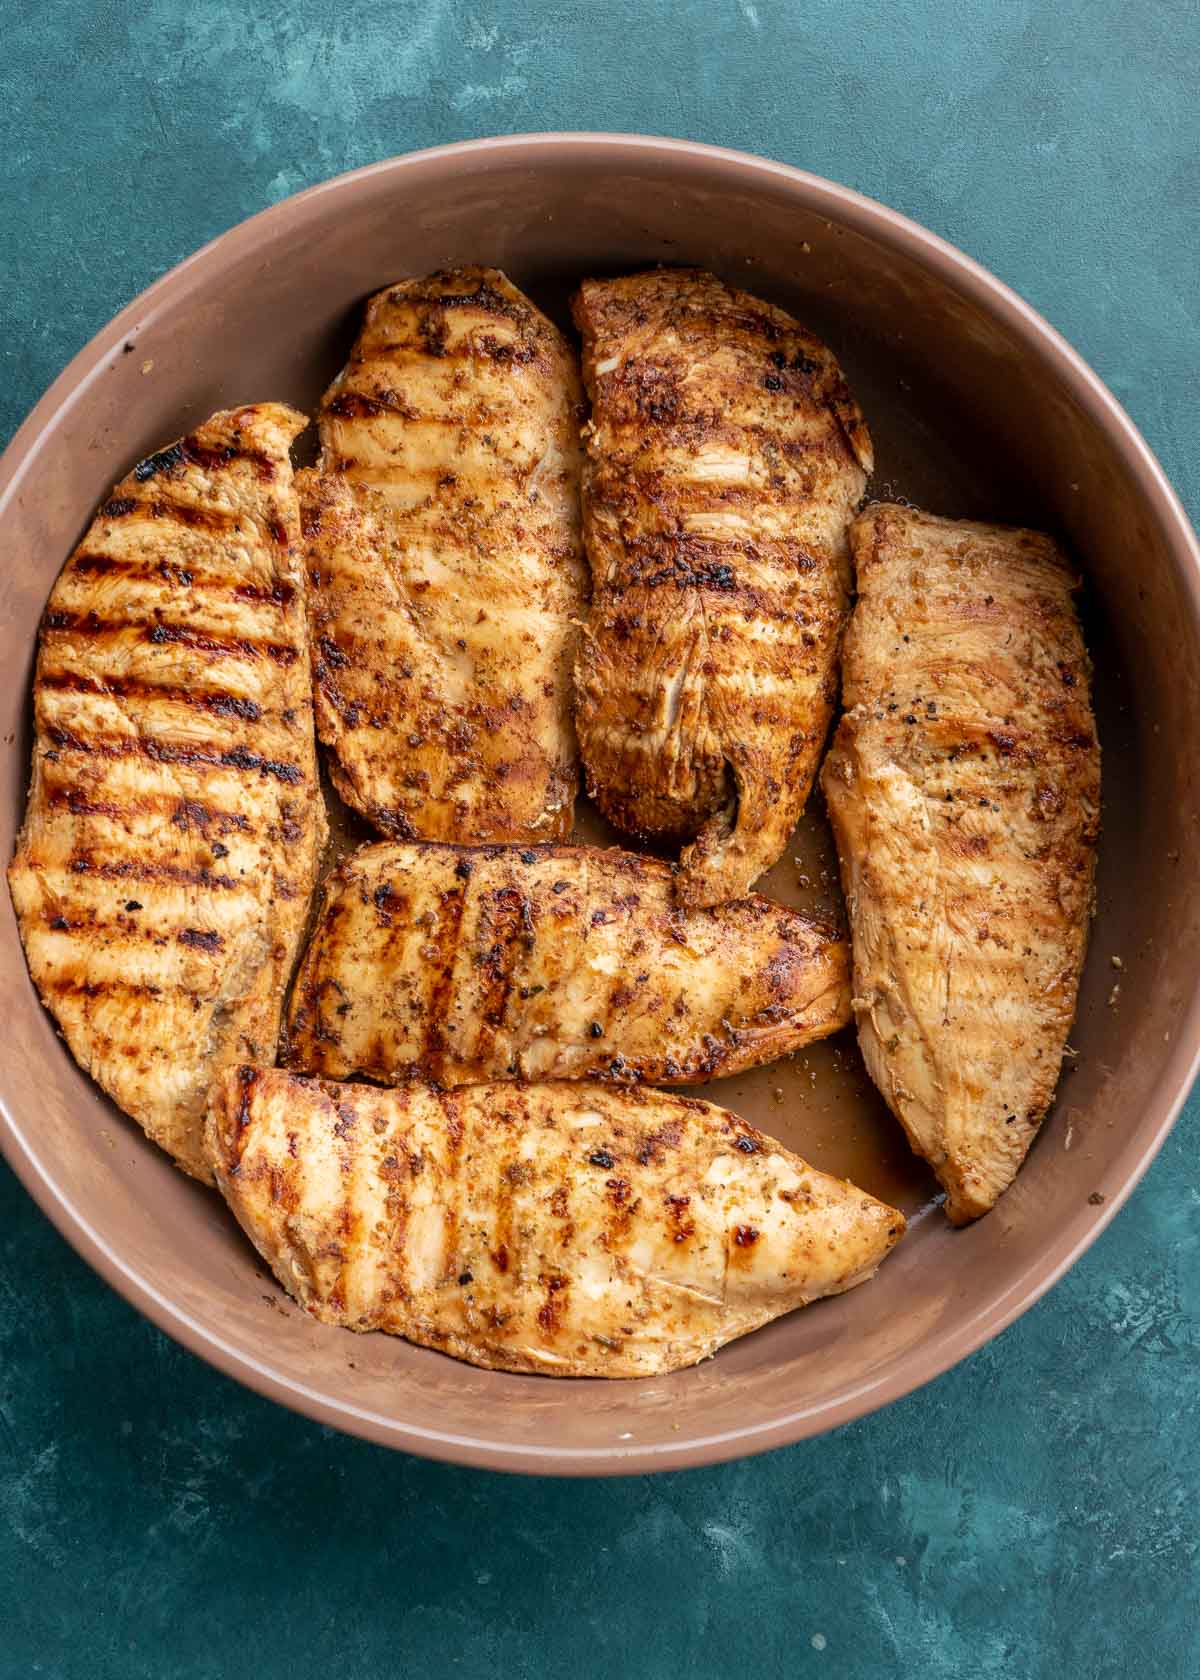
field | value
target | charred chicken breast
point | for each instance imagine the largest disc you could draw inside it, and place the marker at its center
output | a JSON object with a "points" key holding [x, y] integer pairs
{"points": [[561, 963], [163, 874], [446, 569], [964, 790], [569, 1229], [725, 457]]}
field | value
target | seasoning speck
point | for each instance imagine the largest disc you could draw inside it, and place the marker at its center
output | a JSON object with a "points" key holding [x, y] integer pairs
{"points": [[148, 367]]}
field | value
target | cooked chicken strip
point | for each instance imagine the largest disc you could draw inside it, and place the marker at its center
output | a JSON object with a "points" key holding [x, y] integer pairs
{"points": [[725, 457], [578, 1230], [964, 790], [169, 851], [447, 573], [462, 966]]}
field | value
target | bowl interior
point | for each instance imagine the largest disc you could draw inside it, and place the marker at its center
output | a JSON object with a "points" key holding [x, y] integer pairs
{"points": [[974, 413]]}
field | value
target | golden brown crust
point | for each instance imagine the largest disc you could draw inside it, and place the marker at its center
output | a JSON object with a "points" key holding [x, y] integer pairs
{"points": [[725, 457], [564, 962], [964, 790], [567, 1229], [169, 851], [447, 572]]}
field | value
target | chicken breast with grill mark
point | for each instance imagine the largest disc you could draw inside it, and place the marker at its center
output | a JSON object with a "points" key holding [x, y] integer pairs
{"points": [[164, 871], [964, 790], [568, 1229], [725, 458], [446, 564], [561, 963]]}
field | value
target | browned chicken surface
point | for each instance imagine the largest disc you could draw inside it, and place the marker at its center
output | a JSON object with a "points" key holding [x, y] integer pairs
{"points": [[560, 963], [725, 457], [964, 790], [447, 573], [570, 1229], [163, 874]]}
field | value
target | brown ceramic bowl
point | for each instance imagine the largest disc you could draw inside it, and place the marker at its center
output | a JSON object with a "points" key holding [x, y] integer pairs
{"points": [[978, 408]]}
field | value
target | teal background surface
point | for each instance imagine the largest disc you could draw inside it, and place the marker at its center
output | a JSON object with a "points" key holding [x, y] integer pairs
{"points": [[1033, 1515]]}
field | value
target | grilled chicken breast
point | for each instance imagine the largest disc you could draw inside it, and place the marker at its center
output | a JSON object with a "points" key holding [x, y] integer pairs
{"points": [[725, 457], [571, 1229], [563, 963], [964, 790], [163, 874], [447, 574]]}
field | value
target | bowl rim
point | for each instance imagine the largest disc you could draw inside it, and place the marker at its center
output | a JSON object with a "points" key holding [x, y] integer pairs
{"points": [[873, 219]]}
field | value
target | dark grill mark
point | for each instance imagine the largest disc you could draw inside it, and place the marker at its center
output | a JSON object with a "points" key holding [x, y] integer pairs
{"points": [[131, 688], [191, 814], [198, 518], [165, 507], [200, 939], [135, 870], [165, 461], [80, 805], [240, 647], [506, 919], [357, 405], [242, 759], [248, 1078], [88, 564], [167, 752], [278, 594], [484, 297], [190, 451]]}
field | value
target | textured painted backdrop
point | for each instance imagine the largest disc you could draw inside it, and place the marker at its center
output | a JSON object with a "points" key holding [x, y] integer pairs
{"points": [[1033, 1514]]}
